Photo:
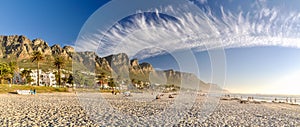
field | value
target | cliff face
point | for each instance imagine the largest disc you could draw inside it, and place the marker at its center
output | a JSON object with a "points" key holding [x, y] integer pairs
{"points": [[18, 46], [143, 68], [119, 64], [22, 48]]}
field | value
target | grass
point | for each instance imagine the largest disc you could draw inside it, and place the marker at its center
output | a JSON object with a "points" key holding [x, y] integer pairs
{"points": [[95, 90], [5, 88], [105, 91]]}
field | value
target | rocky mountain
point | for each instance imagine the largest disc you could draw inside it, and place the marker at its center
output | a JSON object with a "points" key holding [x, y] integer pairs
{"points": [[120, 66], [116, 65], [21, 47]]}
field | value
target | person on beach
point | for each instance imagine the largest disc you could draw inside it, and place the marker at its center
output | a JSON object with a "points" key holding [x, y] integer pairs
{"points": [[112, 92], [116, 92], [295, 101], [287, 100], [31, 92]]}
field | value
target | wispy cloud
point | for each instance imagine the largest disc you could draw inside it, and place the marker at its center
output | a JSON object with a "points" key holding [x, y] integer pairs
{"points": [[202, 1], [204, 30]]}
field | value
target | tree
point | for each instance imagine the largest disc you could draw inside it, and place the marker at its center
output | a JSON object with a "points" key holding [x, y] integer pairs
{"points": [[64, 80], [133, 81], [112, 83], [29, 79], [78, 78], [140, 84], [59, 62], [89, 81], [37, 57], [5, 71], [26, 76], [102, 79], [14, 68], [71, 80]]}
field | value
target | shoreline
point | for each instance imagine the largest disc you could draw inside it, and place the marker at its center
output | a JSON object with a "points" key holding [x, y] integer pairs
{"points": [[252, 99]]}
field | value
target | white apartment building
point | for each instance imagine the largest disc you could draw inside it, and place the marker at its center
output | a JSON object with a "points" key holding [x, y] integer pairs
{"points": [[46, 78]]}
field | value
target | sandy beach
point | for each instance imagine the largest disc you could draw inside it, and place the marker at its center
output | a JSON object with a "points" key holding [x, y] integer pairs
{"points": [[69, 109], [51, 109]]}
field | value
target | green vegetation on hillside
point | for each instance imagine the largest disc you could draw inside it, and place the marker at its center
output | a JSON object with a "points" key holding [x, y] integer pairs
{"points": [[44, 65]]}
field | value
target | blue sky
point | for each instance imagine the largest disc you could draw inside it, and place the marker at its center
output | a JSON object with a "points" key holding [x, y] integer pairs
{"points": [[263, 70], [55, 21], [260, 38]]}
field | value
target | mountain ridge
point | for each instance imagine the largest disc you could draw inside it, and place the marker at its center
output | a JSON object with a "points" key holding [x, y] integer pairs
{"points": [[21, 47], [116, 65]]}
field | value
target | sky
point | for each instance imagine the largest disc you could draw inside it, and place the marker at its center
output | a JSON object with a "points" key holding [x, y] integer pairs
{"points": [[267, 70], [259, 39], [261, 70], [55, 21]]}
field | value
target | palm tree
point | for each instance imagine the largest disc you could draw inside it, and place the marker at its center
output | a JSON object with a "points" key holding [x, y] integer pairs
{"points": [[37, 57], [26, 75], [14, 68], [4, 71], [59, 62]]}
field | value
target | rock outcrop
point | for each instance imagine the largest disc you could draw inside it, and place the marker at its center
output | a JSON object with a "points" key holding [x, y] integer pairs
{"points": [[18, 46], [21, 47]]}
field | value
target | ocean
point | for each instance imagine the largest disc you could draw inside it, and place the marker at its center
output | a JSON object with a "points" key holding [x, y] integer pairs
{"points": [[270, 98]]}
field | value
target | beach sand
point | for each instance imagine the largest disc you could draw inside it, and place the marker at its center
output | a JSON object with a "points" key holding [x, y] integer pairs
{"points": [[69, 109], [42, 110]]}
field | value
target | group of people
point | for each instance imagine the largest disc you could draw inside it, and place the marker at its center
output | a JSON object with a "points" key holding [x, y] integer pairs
{"points": [[291, 100], [250, 98], [287, 100], [33, 92], [115, 92]]}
